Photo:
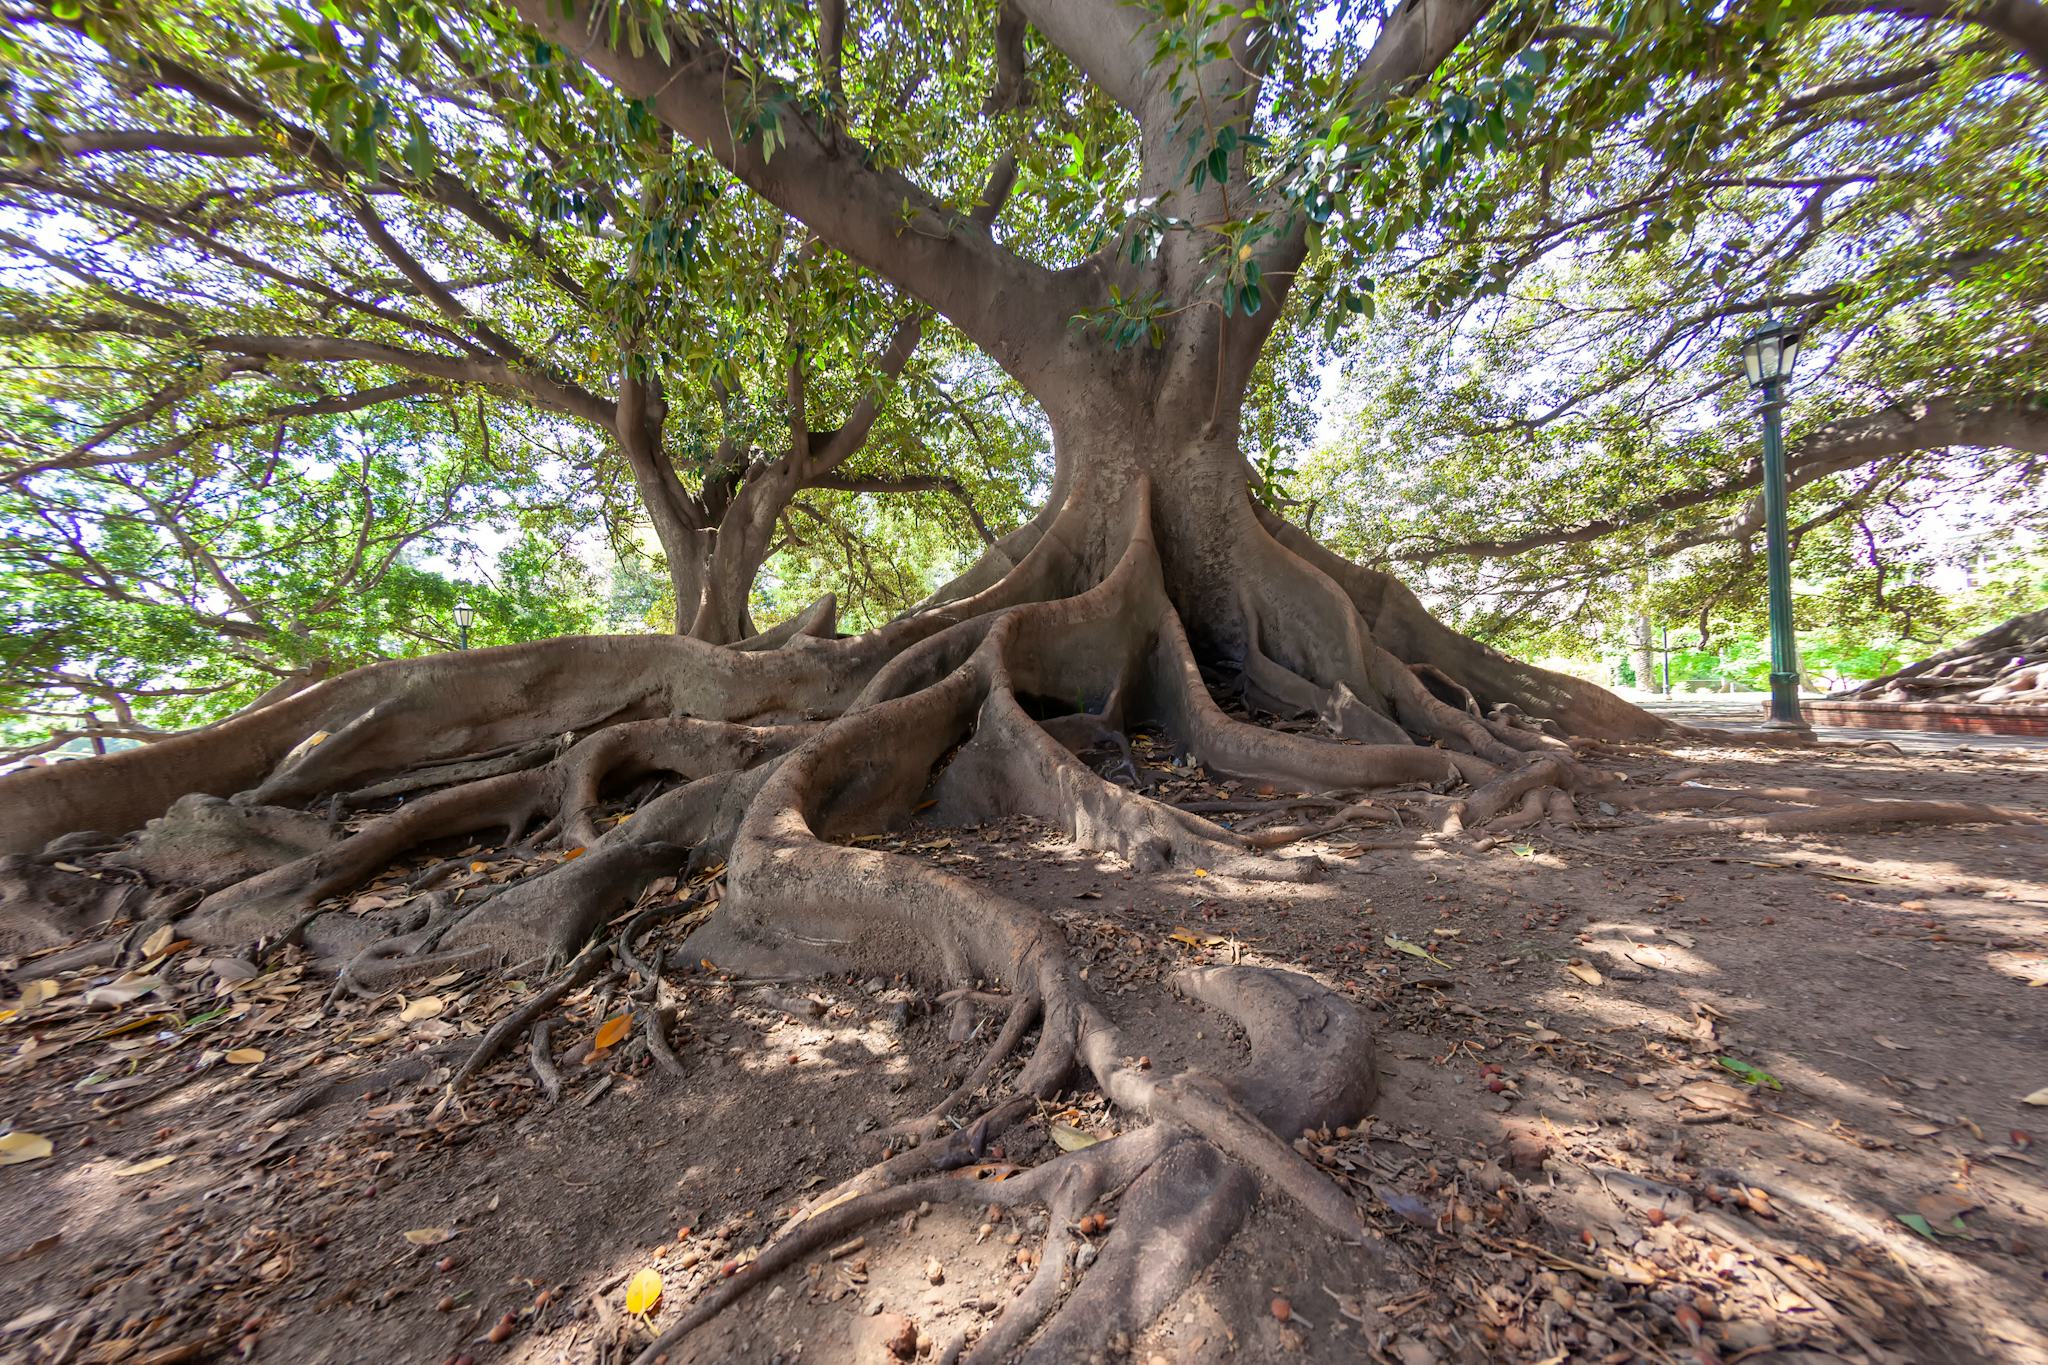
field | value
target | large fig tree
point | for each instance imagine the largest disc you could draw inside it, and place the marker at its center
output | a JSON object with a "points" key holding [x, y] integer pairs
{"points": [[1118, 204]]}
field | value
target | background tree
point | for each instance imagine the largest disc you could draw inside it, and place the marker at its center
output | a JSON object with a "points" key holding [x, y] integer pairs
{"points": [[372, 224], [160, 597], [1556, 400]]}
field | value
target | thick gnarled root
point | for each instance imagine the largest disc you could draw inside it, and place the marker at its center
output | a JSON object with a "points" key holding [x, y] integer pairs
{"points": [[281, 900], [977, 707]]}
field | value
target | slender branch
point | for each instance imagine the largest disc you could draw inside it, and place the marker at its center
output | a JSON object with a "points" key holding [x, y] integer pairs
{"points": [[82, 458], [2021, 23], [912, 483], [1831, 449]]}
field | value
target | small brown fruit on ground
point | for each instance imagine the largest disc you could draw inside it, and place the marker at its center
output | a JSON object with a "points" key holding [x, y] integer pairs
{"points": [[899, 1334]]}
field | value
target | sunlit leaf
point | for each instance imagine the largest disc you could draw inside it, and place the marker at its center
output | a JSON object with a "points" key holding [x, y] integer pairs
{"points": [[643, 1291], [1069, 1138], [611, 1031], [17, 1147]]}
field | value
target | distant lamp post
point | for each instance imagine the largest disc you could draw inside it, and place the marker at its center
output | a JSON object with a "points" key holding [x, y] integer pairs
{"points": [[1768, 354], [464, 614]]}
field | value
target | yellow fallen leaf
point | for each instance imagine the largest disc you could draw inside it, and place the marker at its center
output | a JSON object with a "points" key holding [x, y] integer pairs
{"points": [[2038, 1097], [479, 867], [158, 941], [643, 1292], [5, 1015], [315, 739], [18, 1147], [1402, 945], [155, 1163], [246, 1056], [1069, 1138], [611, 1031], [1201, 872], [426, 1007], [572, 854], [1584, 973], [35, 993], [428, 1237]]}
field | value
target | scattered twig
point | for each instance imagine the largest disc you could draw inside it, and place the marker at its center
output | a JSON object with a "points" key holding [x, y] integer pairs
{"points": [[543, 1058]]}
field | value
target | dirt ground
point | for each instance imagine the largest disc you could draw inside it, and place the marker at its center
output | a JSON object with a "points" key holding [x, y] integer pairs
{"points": [[1644, 1096]]}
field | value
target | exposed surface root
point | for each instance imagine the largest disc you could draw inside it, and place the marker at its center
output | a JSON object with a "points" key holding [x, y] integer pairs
{"points": [[541, 1057], [2001, 666], [1854, 814], [642, 764], [1023, 1013], [508, 1030]]}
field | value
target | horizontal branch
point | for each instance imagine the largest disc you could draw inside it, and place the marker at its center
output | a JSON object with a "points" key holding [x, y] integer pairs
{"points": [[476, 370], [911, 483], [2021, 23], [1831, 449], [107, 141], [85, 456]]}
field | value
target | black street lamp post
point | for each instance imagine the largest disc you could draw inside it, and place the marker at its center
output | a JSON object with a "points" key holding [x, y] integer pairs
{"points": [[1768, 355], [464, 614]]}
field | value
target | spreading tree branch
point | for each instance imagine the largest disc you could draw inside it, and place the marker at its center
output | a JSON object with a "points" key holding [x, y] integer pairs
{"points": [[875, 215], [1831, 449]]}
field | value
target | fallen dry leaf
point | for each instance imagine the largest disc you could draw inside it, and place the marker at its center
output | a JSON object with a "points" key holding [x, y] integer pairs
{"points": [[643, 1292], [121, 991], [155, 1163], [428, 1237], [1402, 945], [1945, 1206], [1587, 974], [426, 1007], [2038, 1097], [17, 1147], [1068, 1138], [611, 1031], [35, 993], [246, 1056], [1713, 1095]]}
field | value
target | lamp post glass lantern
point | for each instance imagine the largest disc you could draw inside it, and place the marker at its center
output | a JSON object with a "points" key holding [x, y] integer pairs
{"points": [[464, 614], [1768, 354]]}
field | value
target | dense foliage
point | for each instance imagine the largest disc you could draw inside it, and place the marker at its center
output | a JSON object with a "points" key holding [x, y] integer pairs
{"points": [[1552, 429]]}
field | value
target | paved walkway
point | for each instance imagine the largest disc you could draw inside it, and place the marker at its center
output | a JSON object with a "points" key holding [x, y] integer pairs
{"points": [[1745, 711]]}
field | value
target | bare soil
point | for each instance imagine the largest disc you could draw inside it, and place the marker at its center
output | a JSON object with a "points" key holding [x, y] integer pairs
{"points": [[1574, 1156]]}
